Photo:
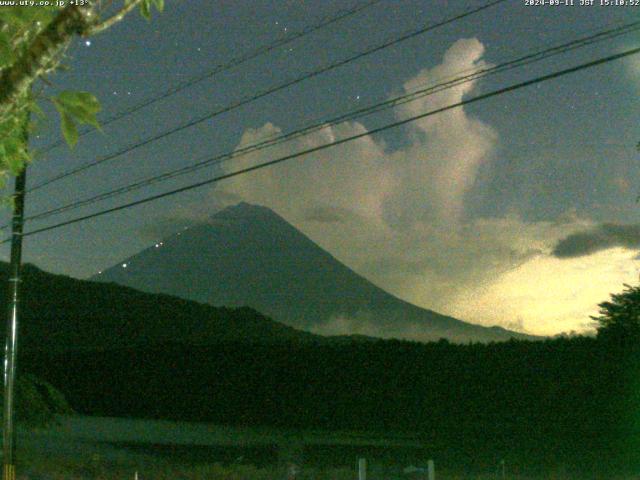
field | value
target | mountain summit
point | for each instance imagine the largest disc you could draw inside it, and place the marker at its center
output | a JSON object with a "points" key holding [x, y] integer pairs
{"points": [[247, 255]]}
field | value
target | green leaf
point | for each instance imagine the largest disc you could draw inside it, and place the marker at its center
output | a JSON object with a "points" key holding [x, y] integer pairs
{"points": [[82, 100], [6, 52], [69, 129], [10, 127], [14, 164], [145, 9], [14, 155], [26, 16], [81, 106]]}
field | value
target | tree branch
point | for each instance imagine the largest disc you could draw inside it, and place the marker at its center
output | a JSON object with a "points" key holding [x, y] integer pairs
{"points": [[16, 80], [48, 46], [102, 26]]}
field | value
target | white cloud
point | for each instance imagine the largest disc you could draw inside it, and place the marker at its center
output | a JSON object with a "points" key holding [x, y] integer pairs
{"points": [[441, 163], [355, 176], [497, 271], [632, 64], [634, 67], [397, 218], [424, 183], [551, 295]]}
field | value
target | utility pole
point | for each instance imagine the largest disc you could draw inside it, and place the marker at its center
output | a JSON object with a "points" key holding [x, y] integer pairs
{"points": [[11, 345]]}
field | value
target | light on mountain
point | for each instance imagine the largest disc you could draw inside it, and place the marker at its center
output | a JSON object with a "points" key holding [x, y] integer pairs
{"points": [[124, 265]]}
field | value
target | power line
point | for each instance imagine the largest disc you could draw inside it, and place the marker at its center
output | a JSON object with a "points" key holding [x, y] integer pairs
{"points": [[524, 60], [485, 96], [399, 100], [234, 62], [265, 93]]}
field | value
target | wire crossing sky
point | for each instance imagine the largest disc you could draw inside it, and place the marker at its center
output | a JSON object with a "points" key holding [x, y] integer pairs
{"points": [[234, 62], [412, 96], [460, 212], [273, 89], [494, 93]]}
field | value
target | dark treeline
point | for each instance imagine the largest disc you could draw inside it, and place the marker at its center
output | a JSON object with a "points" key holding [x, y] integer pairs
{"points": [[572, 402], [112, 350], [63, 313]]}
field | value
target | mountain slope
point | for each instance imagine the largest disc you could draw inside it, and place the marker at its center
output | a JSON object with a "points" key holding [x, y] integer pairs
{"points": [[61, 313], [248, 255]]}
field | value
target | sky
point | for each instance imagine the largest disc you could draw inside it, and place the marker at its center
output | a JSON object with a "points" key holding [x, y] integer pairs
{"points": [[518, 211]]}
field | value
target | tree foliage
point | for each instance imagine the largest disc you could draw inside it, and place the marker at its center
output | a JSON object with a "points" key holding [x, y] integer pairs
{"points": [[33, 43], [619, 318]]}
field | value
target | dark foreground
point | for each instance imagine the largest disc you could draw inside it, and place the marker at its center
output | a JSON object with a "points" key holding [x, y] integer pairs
{"points": [[92, 448]]}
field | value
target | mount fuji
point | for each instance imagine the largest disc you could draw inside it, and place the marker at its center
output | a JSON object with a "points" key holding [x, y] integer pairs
{"points": [[247, 255]]}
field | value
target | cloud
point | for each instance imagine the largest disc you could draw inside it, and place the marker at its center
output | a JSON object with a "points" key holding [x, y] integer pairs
{"points": [[398, 217], [362, 323], [399, 212], [550, 295], [633, 69], [425, 182], [182, 216], [354, 177], [439, 167], [597, 238], [326, 214], [163, 227], [359, 324]]}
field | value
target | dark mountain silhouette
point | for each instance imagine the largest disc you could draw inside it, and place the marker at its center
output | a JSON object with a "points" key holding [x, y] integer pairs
{"points": [[247, 255], [60, 313]]}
